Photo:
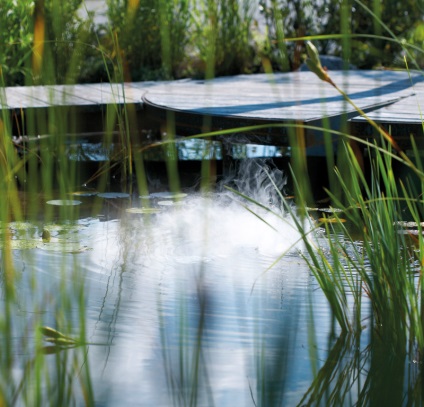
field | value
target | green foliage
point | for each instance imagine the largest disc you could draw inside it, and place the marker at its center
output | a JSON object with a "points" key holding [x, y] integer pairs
{"points": [[289, 19], [223, 36], [150, 36], [369, 18], [363, 20], [67, 40], [385, 266], [65, 33], [158, 39], [16, 38], [152, 39], [415, 38]]}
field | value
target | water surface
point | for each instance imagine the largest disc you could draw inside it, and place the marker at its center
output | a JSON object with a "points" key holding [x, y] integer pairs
{"points": [[188, 303]]}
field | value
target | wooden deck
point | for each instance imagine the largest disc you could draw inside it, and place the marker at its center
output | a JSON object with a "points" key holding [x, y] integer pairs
{"points": [[85, 104], [298, 96], [91, 96], [389, 97]]}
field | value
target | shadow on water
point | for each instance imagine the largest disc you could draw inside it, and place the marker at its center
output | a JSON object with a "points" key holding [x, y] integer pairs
{"points": [[187, 306]]}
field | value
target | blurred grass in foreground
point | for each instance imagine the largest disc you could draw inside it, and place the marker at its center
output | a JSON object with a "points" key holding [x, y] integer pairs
{"points": [[373, 286]]}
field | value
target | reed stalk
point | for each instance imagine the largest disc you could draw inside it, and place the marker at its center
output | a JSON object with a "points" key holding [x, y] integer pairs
{"points": [[373, 286]]}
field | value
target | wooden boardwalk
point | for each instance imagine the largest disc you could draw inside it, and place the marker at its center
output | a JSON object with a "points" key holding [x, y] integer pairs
{"points": [[389, 97], [90, 96], [298, 96]]}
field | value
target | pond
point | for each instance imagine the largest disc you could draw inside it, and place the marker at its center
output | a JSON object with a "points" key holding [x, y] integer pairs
{"points": [[179, 302], [186, 315], [185, 299]]}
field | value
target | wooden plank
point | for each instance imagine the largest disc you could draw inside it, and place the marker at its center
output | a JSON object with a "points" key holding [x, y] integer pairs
{"points": [[94, 95], [299, 96], [22, 97], [402, 120], [243, 100], [107, 93], [40, 97], [405, 111]]}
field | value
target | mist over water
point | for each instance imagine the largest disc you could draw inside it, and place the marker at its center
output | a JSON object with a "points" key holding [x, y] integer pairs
{"points": [[190, 281], [219, 224]]}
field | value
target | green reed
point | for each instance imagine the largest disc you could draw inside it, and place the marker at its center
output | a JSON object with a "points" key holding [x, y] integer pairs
{"points": [[392, 283], [368, 265], [30, 176], [374, 286], [383, 272]]}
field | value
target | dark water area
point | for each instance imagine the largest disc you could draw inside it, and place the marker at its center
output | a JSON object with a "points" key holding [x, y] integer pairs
{"points": [[225, 161]]}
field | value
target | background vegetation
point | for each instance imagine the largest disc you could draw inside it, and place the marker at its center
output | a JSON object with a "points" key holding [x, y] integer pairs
{"points": [[157, 39]]}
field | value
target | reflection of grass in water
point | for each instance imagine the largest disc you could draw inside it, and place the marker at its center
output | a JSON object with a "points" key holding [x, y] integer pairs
{"points": [[381, 273], [373, 288]]}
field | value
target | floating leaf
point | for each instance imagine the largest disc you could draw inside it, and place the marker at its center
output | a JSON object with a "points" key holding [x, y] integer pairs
{"points": [[409, 224], [21, 225], [325, 210], [170, 203], [64, 202], [24, 244], [60, 227], [410, 232], [112, 195], [143, 210], [63, 247], [167, 195], [84, 193]]}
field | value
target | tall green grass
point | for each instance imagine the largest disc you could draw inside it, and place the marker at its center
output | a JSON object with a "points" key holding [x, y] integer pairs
{"points": [[374, 283], [46, 374], [369, 268]]}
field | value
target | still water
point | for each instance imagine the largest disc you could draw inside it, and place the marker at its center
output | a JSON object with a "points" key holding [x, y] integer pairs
{"points": [[189, 302]]}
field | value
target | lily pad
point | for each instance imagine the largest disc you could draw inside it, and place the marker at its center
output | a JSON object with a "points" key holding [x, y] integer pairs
{"points": [[21, 225], [143, 210], [24, 244], [167, 195], [170, 203], [63, 227], [112, 195], [84, 193], [63, 247], [64, 202]]}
